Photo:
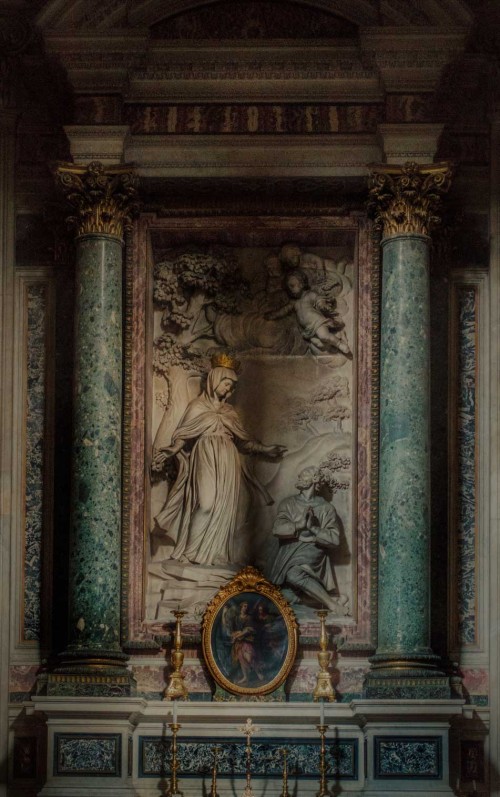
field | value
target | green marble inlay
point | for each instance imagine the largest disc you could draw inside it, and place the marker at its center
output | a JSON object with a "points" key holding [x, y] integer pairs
{"points": [[404, 448], [96, 498], [36, 349]]}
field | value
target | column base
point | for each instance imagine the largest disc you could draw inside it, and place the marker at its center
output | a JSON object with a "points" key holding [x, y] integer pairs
{"points": [[407, 676], [89, 672]]}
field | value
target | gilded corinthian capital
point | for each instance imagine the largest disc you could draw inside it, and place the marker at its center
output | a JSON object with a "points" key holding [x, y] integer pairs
{"points": [[104, 199], [406, 199]]}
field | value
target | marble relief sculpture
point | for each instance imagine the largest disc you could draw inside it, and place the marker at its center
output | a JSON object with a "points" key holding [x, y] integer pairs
{"points": [[287, 312], [317, 316], [308, 529], [199, 515]]}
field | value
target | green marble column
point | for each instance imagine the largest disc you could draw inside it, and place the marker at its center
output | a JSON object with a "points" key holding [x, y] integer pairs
{"points": [[405, 201], [102, 199]]}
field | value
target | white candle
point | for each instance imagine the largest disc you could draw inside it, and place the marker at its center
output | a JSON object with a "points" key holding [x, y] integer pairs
{"points": [[322, 712], [175, 711]]}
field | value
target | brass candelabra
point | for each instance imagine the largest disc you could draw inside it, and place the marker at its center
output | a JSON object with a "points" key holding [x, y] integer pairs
{"points": [[323, 790], [284, 790], [213, 789], [174, 764], [324, 688], [176, 687], [248, 729]]}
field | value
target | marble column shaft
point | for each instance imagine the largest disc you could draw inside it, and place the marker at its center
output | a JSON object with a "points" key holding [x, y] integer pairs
{"points": [[404, 488], [102, 199], [95, 550], [405, 200]]}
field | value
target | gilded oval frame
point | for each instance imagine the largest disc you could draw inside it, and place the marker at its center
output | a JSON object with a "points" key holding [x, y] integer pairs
{"points": [[248, 582]]}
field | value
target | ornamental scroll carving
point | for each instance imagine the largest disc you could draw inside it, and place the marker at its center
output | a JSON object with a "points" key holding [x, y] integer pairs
{"points": [[406, 199], [104, 199]]}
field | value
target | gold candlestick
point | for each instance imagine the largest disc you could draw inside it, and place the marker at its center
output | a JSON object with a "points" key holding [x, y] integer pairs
{"points": [[324, 688], [176, 687], [323, 791], [284, 790], [248, 729], [174, 764], [213, 790]]}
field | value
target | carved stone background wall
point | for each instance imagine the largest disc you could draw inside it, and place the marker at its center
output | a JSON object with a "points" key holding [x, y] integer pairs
{"points": [[314, 396]]}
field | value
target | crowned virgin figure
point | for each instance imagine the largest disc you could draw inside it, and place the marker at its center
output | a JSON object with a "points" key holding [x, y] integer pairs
{"points": [[199, 515]]}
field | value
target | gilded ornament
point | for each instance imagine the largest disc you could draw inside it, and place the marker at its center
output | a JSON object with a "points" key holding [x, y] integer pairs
{"points": [[104, 199], [225, 360], [407, 199], [324, 689], [244, 616], [176, 686]]}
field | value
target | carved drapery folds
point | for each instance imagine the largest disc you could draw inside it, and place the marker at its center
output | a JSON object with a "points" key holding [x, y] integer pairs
{"points": [[406, 199], [104, 199]]}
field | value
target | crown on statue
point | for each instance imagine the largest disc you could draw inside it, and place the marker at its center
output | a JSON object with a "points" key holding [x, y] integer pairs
{"points": [[223, 360]]}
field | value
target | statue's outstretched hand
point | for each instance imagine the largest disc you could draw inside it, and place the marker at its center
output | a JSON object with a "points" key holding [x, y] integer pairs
{"points": [[162, 454], [275, 451]]}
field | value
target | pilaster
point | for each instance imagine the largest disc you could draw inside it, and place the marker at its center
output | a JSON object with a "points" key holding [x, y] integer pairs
{"points": [[8, 121], [494, 464]]}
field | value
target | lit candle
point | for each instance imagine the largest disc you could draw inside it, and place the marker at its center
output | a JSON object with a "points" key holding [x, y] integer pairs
{"points": [[175, 711], [322, 711]]}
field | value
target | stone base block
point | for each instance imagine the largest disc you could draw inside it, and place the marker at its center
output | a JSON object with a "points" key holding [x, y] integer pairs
{"points": [[407, 687], [90, 684], [407, 676]]}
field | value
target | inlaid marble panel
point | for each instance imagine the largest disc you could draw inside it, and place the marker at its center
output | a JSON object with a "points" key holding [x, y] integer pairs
{"points": [[87, 754], [465, 464], [36, 298], [466, 461], [407, 757], [196, 757]]}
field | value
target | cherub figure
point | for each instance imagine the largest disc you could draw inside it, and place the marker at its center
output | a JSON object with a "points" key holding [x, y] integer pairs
{"points": [[316, 312]]}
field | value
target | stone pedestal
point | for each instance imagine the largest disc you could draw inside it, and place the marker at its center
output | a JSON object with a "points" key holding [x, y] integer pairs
{"points": [[124, 746], [405, 200]]}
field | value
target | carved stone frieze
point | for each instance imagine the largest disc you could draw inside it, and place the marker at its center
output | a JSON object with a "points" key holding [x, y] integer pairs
{"points": [[406, 199], [104, 199]]}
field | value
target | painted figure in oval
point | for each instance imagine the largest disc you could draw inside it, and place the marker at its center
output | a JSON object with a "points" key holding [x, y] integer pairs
{"points": [[200, 512]]}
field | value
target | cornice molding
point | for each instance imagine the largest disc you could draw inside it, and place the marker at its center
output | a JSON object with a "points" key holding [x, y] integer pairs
{"points": [[402, 59], [412, 59]]}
